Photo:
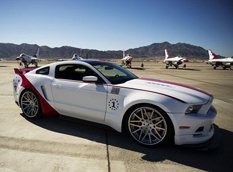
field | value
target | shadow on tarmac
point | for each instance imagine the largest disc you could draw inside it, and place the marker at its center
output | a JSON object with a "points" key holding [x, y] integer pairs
{"points": [[188, 69], [220, 159]]}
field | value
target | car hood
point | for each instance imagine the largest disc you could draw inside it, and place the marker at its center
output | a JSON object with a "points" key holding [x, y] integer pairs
{"points": [[178, 91]]}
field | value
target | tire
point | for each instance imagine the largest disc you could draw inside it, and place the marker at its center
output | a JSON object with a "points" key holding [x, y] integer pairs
{"points": [[148, 125], [30, 104]]}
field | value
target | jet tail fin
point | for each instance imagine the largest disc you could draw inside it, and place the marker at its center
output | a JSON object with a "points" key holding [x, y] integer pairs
{"points": [[166, 54], [37, 53], [123, 54], [212, 55]]}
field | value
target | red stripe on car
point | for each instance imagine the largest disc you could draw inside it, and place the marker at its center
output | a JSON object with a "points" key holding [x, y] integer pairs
{"points": [[177, 84], [47, 110]]}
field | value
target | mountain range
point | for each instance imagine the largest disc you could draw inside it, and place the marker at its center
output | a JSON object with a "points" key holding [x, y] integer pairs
{"points": [[156, 50]]}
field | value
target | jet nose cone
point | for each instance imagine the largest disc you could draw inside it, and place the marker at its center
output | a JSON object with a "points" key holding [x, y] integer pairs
{"points": [[17, 58], [186, 60]]}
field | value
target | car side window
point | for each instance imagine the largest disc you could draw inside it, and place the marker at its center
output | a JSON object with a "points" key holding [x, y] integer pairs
{"points": [[74, 72], [43, 71]]}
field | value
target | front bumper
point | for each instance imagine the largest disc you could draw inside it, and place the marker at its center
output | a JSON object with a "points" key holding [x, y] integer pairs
{"points": [[210, 145], [193, 129], [194, 138]]}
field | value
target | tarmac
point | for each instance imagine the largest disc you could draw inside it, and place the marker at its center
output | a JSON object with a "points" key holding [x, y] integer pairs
{"points": [[64, 144]]}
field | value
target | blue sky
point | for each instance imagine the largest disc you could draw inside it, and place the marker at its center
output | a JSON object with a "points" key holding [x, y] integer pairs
{"points": [[118, 24]]}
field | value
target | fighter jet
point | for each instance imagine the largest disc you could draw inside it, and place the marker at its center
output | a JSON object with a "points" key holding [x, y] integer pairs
{"points": [[74, 57], [216, 62], [174, 61], [26, 60], [126, 60]]}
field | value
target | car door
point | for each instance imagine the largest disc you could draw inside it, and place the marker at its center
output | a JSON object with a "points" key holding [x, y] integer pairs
{"points": [[73, 97]]}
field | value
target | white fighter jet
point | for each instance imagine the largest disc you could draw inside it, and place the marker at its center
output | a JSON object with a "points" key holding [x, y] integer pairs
{"points": [[216, 62], [126, 60], [174, 61], [27, 59], [74, 57]]}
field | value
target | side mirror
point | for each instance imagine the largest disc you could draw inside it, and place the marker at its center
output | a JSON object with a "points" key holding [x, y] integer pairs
{"points": [[90, 79]]}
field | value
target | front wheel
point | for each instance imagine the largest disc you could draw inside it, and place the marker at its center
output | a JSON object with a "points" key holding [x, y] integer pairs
{"points": [[149, 126], [29, 104]]}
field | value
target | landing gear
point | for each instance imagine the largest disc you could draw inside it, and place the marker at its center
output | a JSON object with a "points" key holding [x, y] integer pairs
{"points": [[142, 65], [166, 66], [184, 66], [26, 65], [128, 64]]}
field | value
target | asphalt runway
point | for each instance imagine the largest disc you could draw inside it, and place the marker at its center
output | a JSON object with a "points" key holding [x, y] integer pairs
{"points": [[64, 144]]}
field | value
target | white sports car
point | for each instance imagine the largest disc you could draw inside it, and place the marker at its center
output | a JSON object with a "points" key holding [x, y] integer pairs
{"points": [[151, 111]]}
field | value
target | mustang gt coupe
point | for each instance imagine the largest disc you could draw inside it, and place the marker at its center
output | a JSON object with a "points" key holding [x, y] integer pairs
{"points": [[151, 111]]}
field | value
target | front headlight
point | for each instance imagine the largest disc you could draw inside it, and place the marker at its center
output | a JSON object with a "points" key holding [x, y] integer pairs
{"points": [[193, 109]]}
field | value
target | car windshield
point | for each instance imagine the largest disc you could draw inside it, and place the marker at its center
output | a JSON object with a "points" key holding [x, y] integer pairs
{"points": [[114, 73]]}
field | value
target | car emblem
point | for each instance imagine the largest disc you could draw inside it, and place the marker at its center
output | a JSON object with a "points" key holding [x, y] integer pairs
{"points": [[113, 104]]}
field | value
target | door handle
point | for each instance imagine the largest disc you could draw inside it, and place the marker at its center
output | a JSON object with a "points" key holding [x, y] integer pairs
{"points": [[57, 85]]}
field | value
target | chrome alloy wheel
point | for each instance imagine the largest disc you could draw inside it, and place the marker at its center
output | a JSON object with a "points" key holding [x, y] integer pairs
{"points": [[29, 104], [147, 126]]}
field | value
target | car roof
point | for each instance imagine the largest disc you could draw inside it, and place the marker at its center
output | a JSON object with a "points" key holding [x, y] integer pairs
{"points": [[89, 61], [84, 62]]}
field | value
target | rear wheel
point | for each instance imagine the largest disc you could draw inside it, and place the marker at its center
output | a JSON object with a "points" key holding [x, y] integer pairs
{"points": [[148, 126], [29, 104]]}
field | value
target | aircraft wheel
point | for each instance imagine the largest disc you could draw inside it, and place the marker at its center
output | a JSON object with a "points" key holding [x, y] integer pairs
{"points": [[166, 67]]}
